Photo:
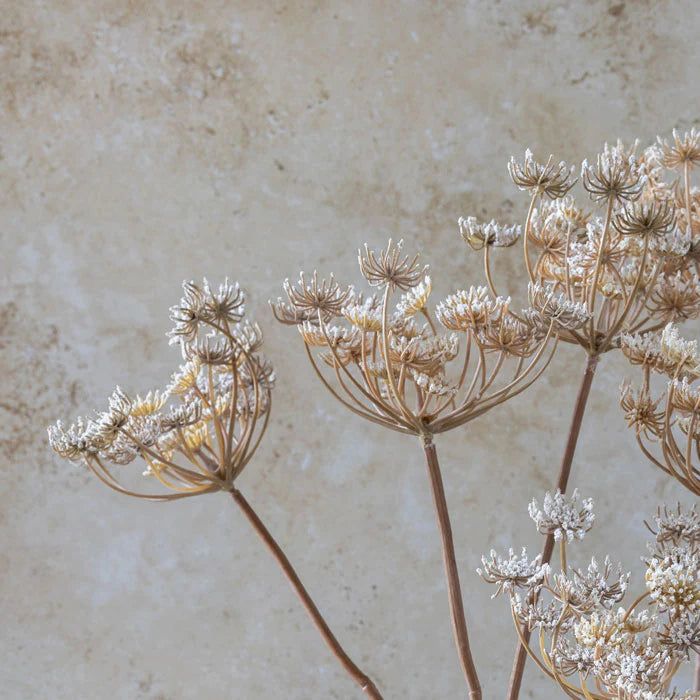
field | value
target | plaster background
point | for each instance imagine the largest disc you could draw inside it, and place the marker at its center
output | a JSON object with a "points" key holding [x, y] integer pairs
{"points": [[147, 142]]}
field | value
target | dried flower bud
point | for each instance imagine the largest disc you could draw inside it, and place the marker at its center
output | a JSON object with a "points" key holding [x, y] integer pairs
{"points": [[684, 149], [548, 179], [615, 174], [415, 299], [479, 235], [311, 299], [564, 520], [389, 269], [556, 308], [513, 572]]}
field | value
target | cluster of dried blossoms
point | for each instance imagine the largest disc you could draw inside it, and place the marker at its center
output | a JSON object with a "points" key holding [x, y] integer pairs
{"points": [[586, 641], [387, 362], [630, 270], [198, 434], [634, 268], [602, 282], [667, 426]]}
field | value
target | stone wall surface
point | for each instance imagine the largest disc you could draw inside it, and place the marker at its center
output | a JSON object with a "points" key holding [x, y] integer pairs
{"points": [[147, 142]]}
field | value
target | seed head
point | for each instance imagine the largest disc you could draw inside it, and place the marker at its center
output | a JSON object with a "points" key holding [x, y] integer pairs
{"points": [[388, 269], [548, 179], [615, 174], [684, 149]]}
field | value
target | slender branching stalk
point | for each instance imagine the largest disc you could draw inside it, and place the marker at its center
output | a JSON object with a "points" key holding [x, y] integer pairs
{"points": [[219, 407]]}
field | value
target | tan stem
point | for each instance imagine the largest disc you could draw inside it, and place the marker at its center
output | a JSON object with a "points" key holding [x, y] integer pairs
{"points": [[347, 663], [562, 482], [459, 623]]}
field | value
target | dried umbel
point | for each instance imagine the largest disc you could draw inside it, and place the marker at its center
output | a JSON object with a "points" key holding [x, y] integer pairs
{"points": [[604, 279], [589, 645], [389, 363], [198, 434], [667, 426], [633, 268]]}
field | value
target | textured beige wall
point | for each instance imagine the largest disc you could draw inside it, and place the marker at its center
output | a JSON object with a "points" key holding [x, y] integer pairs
{"points": [[144, 142]]}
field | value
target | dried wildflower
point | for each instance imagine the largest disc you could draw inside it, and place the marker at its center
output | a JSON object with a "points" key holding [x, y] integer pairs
{"points": [[389, 269], [309, 300], [615, 175], [188, 314], [645, 219], [408, 377], [513, 572], [594, 588], [645, 351], [509, 335], [415, 299], [630, 652], [683, 353], [185, 378], [209, 351], [537, 615], [642, 412], [574, 658], [366, 316], [72, 442], [673, 581], [477, 235], [556, 308], [684, 149], [149, 404], [565, 519], [551, 180], [570, 215], [675, 298], [199, 435], [224, 306], [676, 528], [220, 350], [470, 309], [684, 396], [682, 637]]}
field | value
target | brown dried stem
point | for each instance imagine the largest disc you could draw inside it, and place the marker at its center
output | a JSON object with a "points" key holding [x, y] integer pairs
{"points": [[459, 624], [321, 625]]}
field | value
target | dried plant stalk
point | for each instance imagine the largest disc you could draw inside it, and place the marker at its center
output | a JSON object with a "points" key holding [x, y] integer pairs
{"points": [[385, 366], [633, 270], [219, 406]]}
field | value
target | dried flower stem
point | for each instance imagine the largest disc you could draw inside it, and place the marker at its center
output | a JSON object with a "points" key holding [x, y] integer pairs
{"points": [[459, 624], [321, 625], [564, 472]]}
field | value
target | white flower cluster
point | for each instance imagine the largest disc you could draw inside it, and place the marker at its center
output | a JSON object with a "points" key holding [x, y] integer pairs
{"points": [[478, 234], [565, 314], [680, 351], [513, 571], [673, 581], [570, 519]]}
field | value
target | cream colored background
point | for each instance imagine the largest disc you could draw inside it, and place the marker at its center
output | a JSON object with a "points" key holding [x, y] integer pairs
{"points": [[145, 142]]}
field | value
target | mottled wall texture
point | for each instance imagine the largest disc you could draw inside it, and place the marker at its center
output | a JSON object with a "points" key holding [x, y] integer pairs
{"points": [[147, 142]]}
